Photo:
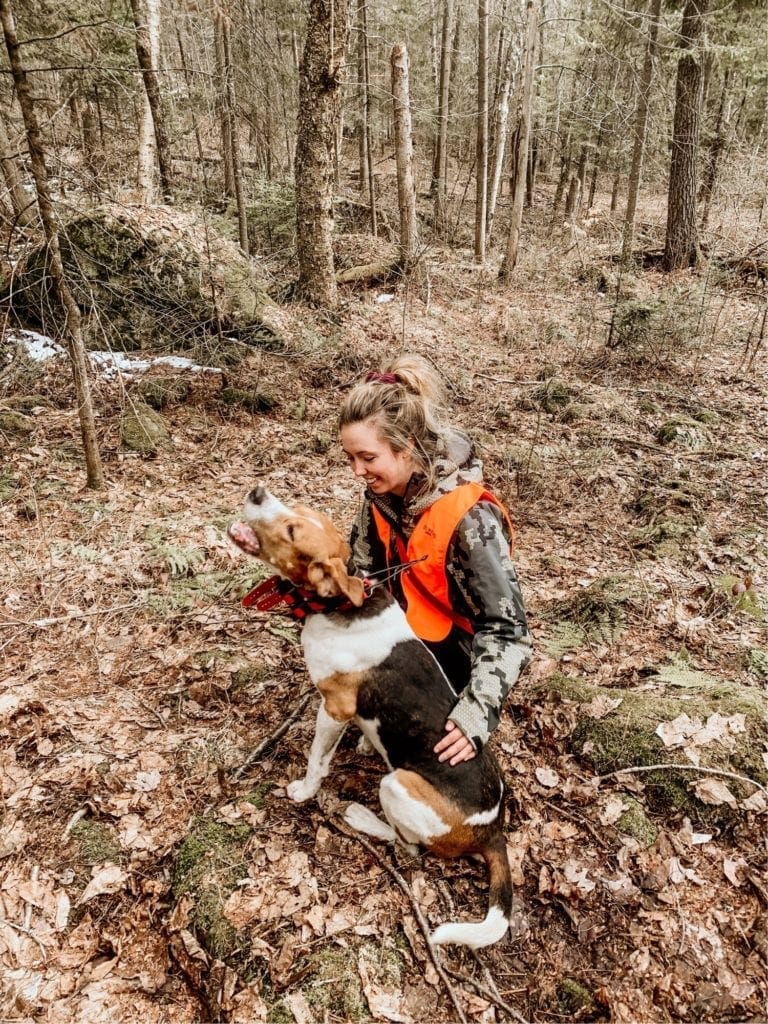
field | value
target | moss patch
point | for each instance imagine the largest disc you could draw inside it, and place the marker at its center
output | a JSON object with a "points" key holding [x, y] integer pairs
{"points": [[96, 842], [574, 998], [626, 737], [208, 866], [636, 823]]}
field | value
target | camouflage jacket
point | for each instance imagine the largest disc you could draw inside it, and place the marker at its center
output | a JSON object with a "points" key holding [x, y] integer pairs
{"points": [[482, 583]]}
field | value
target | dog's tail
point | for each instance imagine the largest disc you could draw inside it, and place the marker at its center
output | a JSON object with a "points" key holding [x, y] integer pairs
{"points": [[500, 901]]}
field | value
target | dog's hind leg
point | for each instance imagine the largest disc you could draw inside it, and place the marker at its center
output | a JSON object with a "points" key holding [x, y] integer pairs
{"points": [[362, 820], [328, 732]]}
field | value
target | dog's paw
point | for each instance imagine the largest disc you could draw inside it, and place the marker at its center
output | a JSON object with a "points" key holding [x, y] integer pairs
{"points": [[301, 790], [364, 745]]}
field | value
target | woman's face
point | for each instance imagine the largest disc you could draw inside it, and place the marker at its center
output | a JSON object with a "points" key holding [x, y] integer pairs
{"points": [[372, 459]]}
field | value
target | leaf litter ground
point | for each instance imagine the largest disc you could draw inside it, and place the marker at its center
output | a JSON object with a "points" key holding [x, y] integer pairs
{"points": [[134, 685]]}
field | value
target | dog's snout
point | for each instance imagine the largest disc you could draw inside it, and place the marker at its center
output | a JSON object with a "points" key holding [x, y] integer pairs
{"points": [[257, 495]]}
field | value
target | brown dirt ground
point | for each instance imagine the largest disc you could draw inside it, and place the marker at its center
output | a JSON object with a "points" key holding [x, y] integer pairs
{"points": [[114, 711]]}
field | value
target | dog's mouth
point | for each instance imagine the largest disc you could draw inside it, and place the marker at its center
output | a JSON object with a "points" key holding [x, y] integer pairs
{"points": [[245, 538]]}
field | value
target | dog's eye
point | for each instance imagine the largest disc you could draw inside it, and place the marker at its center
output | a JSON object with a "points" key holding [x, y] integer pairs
{"points": [[291, 531]]}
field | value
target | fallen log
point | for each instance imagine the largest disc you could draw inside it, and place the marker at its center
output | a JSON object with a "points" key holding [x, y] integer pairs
{"points": [[382, 270]]}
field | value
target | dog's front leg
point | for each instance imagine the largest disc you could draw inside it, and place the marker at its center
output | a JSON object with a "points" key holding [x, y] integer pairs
{"points": [[328, 732]]}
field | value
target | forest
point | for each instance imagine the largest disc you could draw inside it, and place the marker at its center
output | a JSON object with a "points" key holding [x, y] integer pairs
{"points": [[216, 217]]}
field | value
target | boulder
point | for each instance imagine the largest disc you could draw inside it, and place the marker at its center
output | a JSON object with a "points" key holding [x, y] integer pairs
{"points": [[154, 278]]}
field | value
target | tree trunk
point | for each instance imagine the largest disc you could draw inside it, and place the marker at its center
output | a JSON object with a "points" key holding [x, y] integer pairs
{"points": [[367, 145], [640, 132], [576, 188], [23, 206], [72, 321], [715, 152], [521, 154], [225, 125], [500, 137], [320, 78], [228, 93], [481, 158], [681, 247], [439, 187], [147, 170], [188, 83], [406, 190], [154, 95]]}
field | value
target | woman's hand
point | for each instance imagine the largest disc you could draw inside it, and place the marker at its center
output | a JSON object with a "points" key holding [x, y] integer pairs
{"points": [[454, 746]]}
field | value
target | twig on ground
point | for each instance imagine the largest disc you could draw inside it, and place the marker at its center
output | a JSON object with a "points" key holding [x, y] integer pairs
{"points": [[489, 994], [42, 623], [685, 768], [580, 820], [144, 705], [26, 931], [274, 737], [345, 830]]}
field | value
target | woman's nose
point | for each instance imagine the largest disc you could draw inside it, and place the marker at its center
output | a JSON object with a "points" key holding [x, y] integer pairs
{"points": [[358, 469]]}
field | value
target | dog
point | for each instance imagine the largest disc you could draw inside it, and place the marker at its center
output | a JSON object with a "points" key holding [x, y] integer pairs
{"points": [[372, 669]]}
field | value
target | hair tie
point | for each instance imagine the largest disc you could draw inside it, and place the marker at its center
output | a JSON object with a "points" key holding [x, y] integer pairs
{"points": [[374, 377]]}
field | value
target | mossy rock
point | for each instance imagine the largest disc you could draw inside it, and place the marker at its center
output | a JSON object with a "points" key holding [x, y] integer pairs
{"points": [[682, 431], [626, 736], [158, 277], [251, 401], [554, 396], [207, 866], [27, 403], [143, 430], [15, 424], [8, 487], [159, 392]]}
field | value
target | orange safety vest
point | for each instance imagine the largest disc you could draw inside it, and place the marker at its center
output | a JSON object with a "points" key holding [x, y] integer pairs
{"points": [[425, 585]]}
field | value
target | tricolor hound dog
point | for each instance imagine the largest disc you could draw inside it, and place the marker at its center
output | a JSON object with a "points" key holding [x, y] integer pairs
{"points": [[371, 669]]}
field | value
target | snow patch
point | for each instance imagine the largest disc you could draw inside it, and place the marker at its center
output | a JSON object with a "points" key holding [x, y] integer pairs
{"points": [[41, 349]]}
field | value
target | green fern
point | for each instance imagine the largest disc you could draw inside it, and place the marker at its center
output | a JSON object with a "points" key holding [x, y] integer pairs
{"points": [[566, 637]]}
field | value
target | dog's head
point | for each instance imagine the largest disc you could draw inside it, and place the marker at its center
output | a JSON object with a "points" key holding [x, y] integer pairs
{"points": [[302, 545]]}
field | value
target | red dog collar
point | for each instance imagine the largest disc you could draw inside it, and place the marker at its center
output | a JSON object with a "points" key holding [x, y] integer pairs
{"points": [[299, 603]]}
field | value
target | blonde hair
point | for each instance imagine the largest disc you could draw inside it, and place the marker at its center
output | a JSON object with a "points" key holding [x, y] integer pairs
{"points": [[406, 403]]}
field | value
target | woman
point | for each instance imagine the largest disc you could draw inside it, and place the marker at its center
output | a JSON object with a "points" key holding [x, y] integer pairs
{"points": [[425, 502]]}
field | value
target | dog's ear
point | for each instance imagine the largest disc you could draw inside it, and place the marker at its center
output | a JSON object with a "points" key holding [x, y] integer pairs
{"points": [[330, 578]]}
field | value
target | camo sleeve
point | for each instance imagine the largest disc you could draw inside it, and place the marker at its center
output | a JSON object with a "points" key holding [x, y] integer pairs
{"points": [[368, 553], [483, 581]]}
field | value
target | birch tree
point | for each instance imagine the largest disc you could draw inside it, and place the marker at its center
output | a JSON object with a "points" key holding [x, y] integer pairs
{"points": [[520, 156], [406, 190], [147, 163], [481, 150], [151, 78]]}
